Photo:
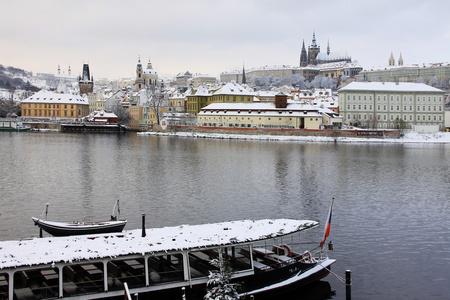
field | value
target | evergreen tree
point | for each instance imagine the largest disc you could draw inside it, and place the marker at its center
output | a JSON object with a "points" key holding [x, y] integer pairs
{"points": [[219, 286]]}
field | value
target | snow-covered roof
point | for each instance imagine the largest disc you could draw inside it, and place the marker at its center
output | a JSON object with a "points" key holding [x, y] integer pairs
{"points": [[333, 56], [257, 106], [232, 88], [389, 87], [68, 249], [103, 114], [202, 91], [44, 96]]}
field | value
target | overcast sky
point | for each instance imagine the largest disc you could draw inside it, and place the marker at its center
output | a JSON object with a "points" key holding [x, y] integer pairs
{"points": [[210, 37]]}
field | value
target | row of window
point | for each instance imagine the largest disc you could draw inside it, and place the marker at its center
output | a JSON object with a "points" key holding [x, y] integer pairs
{"points": [[45, 113], [398, 97], [229, 118], [397, 117], [49, 105], [392, 107]]}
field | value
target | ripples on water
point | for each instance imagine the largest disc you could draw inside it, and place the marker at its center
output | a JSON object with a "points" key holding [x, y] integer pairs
{"points": [[390, 219]]}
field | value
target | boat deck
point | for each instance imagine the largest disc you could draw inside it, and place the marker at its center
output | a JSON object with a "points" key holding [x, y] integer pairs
{"points": [[33, 269]]}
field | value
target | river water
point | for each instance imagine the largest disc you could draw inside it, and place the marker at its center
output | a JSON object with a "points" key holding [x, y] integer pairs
{"points": [[390, 222]]}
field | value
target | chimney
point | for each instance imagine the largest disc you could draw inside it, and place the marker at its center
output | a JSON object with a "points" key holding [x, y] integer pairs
{"points": [[280, 100]]}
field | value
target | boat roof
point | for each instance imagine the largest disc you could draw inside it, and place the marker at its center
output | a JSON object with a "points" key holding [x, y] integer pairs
{"points": [[49, 250]]}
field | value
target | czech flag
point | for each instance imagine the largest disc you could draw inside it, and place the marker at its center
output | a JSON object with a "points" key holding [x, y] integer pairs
{"points": [[326, 231]]}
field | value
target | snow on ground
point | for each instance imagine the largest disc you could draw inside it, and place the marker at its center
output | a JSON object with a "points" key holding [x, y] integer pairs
{"points": [[412, 137], [70, 249]]}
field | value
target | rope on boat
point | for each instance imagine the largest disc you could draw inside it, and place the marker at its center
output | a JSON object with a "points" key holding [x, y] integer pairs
{"points": [[337, 276]]}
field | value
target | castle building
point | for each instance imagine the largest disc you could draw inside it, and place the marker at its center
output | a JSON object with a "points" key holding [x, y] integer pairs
{"points": [[314, 57], [312, 63], [434, 74], [86, 82]]}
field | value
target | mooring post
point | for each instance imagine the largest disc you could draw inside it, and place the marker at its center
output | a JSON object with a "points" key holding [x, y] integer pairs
{"points": [[183, 293], [252, 297], [40, 233], [348, 285], [143, 225]]}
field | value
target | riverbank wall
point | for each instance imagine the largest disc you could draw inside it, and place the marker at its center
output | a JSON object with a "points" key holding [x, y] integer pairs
{"points": [[339, 133]]}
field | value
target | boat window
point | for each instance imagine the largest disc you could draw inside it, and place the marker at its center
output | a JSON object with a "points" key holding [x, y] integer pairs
{"points": [[4, 279], [200, 262], [131, 271], [35, 283], [165, 268], [83, 279]]}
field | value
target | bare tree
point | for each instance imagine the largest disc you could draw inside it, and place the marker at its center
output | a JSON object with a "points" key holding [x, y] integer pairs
{"points": [[156, 100]]}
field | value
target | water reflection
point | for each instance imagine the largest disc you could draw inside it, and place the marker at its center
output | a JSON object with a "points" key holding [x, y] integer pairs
{"points": [[390, 221]]}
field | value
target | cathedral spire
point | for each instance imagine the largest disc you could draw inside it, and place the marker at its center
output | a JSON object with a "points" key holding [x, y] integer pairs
{"points": [[303, 56], [244, 79], [328, 48]]}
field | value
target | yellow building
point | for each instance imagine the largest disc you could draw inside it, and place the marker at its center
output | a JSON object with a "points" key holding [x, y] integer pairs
{"points": [[46, 104], [259, 115], [228, 93], [137, 115]]}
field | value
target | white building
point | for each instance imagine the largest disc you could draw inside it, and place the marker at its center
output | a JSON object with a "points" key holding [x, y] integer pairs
{"points": [[389, 105]]}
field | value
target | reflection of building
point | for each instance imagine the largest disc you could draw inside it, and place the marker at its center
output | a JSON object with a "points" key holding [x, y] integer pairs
{"points": [[391, 105], [45, 104]]}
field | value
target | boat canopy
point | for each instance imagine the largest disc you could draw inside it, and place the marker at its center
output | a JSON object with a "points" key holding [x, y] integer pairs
{"points": [[38, 251]]}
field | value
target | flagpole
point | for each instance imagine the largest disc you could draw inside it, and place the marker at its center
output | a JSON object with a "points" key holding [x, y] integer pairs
{"points": [[326, 231]]}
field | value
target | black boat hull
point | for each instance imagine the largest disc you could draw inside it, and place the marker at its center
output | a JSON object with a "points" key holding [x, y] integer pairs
{"points": [[67, 230]]}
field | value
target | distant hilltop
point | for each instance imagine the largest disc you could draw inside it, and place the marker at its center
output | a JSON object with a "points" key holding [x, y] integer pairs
{"points": [[15, 78]]}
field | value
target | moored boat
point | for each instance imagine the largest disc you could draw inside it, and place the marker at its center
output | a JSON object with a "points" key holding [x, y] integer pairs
{"points": [[80, 228], [265, 257], [12, 125]]}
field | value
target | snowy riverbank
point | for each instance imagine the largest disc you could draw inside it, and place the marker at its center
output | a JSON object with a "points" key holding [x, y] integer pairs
{"points": [[412, 137]]}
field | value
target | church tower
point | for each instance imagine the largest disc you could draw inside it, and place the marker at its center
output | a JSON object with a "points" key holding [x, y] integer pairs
{"points": [[400, 60], [391, 60], [85, 82], [150, 76], [303, 56], [139, 81], [313, 51]]}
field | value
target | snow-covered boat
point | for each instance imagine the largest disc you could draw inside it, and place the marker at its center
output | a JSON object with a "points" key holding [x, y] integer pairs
{"points": [[160, 263], [80, 228]]}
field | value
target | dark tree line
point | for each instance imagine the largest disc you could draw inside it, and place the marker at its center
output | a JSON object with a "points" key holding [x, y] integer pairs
{"points": [[9, 79]]}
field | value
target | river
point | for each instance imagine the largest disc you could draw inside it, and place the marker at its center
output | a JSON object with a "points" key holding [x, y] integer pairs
{"points": [[390, 223]]}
